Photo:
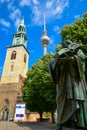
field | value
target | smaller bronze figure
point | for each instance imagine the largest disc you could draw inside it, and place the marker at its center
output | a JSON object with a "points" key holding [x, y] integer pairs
{"points": [[67, 72]]}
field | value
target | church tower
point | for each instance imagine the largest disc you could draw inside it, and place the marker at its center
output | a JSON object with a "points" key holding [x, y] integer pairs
{"points": [[16, 62], [14, 72]]}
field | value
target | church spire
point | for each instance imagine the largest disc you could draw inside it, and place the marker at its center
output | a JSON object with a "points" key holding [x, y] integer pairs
{"points": [[45, 39], [19, 38], [21, 27], [22, 21]]}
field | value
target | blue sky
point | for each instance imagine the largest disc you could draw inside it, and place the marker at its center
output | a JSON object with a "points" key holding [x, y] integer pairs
{"points": [[58, 13]]}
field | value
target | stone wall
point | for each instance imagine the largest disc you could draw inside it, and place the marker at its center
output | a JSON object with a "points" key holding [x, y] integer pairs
{"points": [[8, 91]]}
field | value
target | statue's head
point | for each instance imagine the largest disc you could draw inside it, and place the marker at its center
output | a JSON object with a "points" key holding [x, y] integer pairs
{"points": [[66, 43], [71, 45]]}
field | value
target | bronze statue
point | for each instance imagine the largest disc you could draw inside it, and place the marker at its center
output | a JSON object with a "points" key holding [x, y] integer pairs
{"points": [[67, 72]]}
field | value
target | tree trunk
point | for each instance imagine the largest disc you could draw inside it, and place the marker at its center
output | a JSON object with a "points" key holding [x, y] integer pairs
{"points": [[41, 113], [52, 116]]}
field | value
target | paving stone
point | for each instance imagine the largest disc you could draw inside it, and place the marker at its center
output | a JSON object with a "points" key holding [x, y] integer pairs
{"points": [[27, 126]]}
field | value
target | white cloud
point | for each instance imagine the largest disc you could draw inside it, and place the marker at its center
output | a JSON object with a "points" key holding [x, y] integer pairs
{"points": [[49, 4], [4, 30], [53, 9], [2, 1], [15, 14], [57, 29], [24, 3], [77, 16], [35, 2], [17, 21], [11, 5], [52, 40], [4, 23], [58, 10], [37, 15]]}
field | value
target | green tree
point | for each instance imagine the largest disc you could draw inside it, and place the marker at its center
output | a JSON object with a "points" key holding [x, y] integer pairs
{"points": [[77, 32], [39, 92], [58, 48]]}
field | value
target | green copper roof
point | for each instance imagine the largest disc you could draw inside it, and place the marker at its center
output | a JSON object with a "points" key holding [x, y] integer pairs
{"points": [[19, 38]]}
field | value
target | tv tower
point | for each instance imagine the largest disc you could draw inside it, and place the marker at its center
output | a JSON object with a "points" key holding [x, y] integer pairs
{"points": [[45, 39]]}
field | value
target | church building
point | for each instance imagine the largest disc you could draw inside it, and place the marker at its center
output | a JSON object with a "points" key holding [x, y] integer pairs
{"points": [[14, 72]]}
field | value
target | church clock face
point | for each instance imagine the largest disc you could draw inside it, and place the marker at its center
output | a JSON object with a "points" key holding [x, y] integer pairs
{"points": [[17, 41]]}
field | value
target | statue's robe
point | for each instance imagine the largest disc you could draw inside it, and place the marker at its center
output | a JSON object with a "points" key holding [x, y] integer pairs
{"points": [[67, 74]]}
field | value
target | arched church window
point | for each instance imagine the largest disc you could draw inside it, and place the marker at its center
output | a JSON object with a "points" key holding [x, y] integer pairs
{"points": [[12, 67], [25, 58], [13, 55], [6, 102], [19, 29]]}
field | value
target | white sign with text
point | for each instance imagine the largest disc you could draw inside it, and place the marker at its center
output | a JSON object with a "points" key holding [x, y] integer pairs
{"points": [[20, 112]]}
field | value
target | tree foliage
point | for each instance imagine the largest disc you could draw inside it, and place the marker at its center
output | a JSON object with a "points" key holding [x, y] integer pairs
{"points": [[39, 92], [58, 48], [77, 32]]}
